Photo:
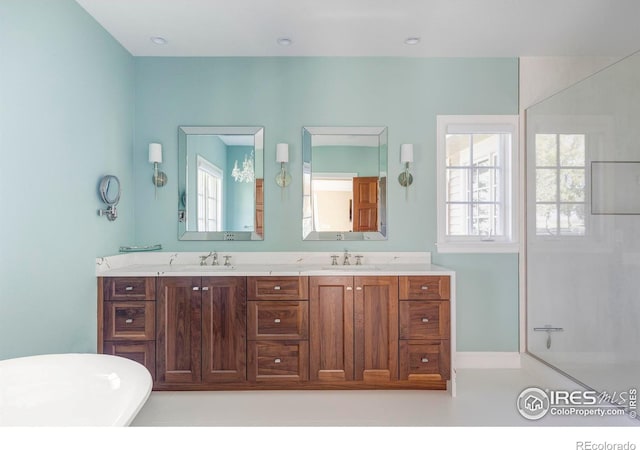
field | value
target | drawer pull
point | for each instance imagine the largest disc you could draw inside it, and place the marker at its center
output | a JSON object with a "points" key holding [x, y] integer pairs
{"points": [[349, 288], [128, 288], [359, 288], [424, 359], [128, 321], [195, 288], [425, 319], [276, 320], [205, 288], [276, 288], [424, 288], [277, 360]]}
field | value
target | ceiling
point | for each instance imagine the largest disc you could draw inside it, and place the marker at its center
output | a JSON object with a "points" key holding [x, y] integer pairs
{"points": [[463, 28]]}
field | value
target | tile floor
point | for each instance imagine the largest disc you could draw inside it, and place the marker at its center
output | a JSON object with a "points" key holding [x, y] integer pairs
{"points": [[486, 397]]}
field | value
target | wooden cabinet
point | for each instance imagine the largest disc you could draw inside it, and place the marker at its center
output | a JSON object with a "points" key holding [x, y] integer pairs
{"points": [[281, 332], [278, 329], [425, 328], [201, 329], [126, 318], [376, 329], [331, 328], [354, 329]]}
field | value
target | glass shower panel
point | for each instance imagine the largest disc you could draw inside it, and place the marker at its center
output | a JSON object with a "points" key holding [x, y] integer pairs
{"points": [[583, 229]]}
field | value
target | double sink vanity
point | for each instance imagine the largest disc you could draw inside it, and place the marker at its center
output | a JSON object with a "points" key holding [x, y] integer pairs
{"points": [[280, 320]]}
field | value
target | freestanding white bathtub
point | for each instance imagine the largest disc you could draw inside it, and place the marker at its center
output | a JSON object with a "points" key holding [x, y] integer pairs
{"points": [[73, 389]]}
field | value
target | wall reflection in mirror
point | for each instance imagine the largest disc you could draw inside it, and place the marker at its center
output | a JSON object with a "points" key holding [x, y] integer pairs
{"points": [[344, 183], [221, 183]]}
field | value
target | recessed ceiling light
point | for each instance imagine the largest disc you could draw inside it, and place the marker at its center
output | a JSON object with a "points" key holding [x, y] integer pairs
{"points": [[412, 40], [158, 40], [285, 41]]}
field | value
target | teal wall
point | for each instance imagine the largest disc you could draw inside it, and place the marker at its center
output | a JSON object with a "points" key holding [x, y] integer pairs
{"points": [[70, 96], [286, 94], [361, 160], [239, 197], [66, 119]]}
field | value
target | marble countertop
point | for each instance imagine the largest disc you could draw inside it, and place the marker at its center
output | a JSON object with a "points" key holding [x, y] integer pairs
{"points": [[267, 264]]}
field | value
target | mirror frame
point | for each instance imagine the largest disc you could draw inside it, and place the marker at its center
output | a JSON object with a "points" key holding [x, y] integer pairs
{"points": [[381, 133], [105, 189], [185, 131]]}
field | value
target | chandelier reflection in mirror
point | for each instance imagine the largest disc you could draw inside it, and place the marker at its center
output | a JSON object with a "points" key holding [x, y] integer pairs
{"points": [[247, 174]]}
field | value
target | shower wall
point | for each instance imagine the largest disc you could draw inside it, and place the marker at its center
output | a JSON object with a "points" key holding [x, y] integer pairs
{"points": [[583, 228]]}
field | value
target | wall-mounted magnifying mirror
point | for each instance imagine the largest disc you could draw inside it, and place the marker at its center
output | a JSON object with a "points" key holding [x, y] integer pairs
{"points": [[220, 180], [109, 190], [344, 183]]}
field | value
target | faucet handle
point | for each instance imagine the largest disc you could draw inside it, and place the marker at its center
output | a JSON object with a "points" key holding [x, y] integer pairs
{"points": [[358, 260], [334, 260], [227, 260]]}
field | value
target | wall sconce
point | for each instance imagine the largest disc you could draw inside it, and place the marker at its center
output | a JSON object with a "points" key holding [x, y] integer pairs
{"points": [[282, 156], [155, 157], [406, 157]]}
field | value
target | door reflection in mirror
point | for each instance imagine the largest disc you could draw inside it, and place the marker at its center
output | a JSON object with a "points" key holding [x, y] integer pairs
{"points": [[344, 183]]}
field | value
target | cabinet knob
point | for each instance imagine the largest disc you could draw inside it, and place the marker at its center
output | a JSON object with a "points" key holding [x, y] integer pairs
{"points": [[205, 288], [424, 359], [425, 319], [128, 288], [195, 288], [424, 288], [128, 321], [276, 288], [359, 288], [276, 320], [349, 288], [277, 360]]}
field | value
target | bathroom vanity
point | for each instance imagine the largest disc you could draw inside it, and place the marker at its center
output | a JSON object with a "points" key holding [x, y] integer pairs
{"points": [[280, 326]]}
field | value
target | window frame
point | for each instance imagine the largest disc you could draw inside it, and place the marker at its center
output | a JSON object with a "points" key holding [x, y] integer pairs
{"points": [[479, 124], [216, 175]]}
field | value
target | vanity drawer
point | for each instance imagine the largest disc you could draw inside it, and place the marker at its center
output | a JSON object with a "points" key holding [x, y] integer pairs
{"points": [[278, 320], [140, 352], [424, 360], [277, 288], [131, 321], [424, 320], [130, 288], [424, 288], [278, 360]]}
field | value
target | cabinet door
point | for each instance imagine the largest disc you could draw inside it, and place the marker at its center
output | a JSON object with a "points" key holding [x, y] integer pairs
{"points": [[331, 328], [376, 329], [178, 337], [141, 352], [224, 325]]}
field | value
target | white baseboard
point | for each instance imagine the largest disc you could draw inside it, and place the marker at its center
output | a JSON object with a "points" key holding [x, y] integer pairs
{"points": [[487, 360]]}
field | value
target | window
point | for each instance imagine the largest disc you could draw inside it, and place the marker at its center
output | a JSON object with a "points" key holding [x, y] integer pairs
{"points": [[477, 191], [560, 184], [209, 196]]}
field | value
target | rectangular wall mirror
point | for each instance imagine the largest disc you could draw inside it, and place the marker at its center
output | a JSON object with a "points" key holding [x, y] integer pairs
{"points": [[220, 182], [344, 183]]}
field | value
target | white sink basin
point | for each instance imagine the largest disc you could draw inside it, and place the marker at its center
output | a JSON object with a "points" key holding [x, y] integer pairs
{"points": [[351, 267]]}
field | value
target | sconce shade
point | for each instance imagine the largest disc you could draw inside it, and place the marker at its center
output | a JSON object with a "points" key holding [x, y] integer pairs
{"points": [[406, 153], [282, 153], [155, 153]]}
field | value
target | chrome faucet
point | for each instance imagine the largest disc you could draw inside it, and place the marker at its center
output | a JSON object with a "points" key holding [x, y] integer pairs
{"points": [[203, 259], [345, 261]]}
